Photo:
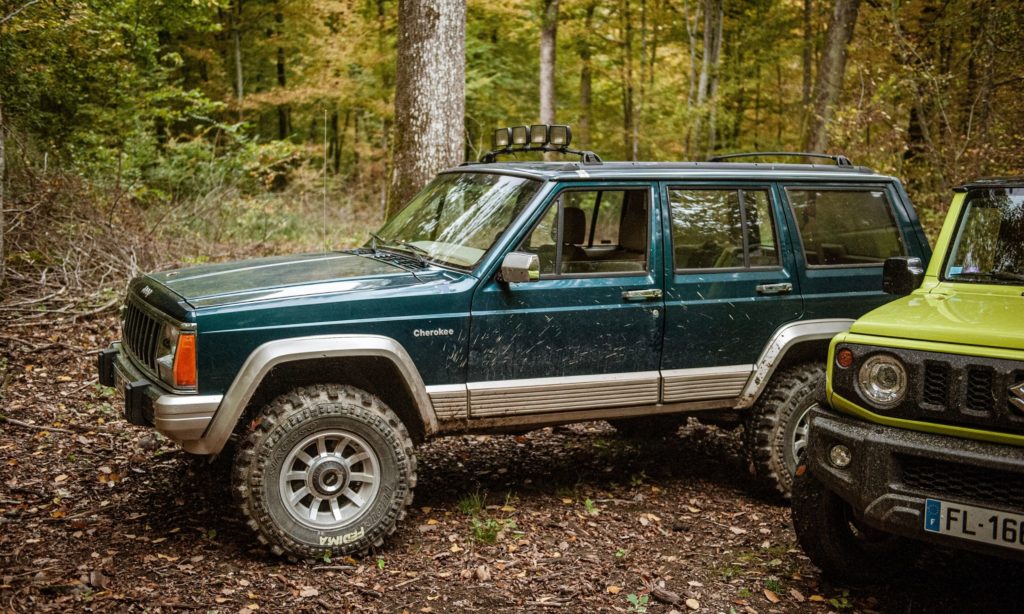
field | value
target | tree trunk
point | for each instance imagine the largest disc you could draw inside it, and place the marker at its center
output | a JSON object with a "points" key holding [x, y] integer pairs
{"points": [[236, 34], [691, 93], [829, 83], [707, 86], [548, 38], [586, 78], [430, 95], [628, 116], [284, 127], [808, 62]]}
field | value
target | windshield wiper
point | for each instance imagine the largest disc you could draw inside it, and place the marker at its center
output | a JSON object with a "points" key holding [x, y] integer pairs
{"points": [[1006, 275], [374, 240]]}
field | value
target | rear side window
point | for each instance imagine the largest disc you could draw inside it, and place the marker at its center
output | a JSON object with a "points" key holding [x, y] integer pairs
{"points": [[845, 227], [725, 228]]}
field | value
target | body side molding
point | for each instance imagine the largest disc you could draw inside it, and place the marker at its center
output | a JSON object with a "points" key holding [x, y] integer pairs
{"points": [[273, 353], [784, 338]]}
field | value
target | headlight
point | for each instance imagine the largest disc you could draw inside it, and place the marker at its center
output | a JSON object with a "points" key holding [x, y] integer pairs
{"points": [[177, 357], [168, 344], [883, 380]]}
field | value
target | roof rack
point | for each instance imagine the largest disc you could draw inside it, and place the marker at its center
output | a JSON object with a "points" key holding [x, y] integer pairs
{"points": [[840, 160], [991, 182]]}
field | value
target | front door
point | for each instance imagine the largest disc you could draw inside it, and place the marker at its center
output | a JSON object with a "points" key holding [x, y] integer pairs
{"points": [[732, 284], [587, 335]]}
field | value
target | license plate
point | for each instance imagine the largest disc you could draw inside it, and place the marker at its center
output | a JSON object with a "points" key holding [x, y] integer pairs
{"points": [[974, 523]]}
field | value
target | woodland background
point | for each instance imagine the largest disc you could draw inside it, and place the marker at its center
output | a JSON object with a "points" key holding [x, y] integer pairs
{"points": [[141, 133]]}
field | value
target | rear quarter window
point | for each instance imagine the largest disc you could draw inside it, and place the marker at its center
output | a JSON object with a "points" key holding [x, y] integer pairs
{"points": [[845, 226]]}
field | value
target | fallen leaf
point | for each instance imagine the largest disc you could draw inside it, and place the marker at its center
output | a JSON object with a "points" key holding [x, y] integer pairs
{"points": [[693, 604], [771, 596], [60, 478], [308, 591], [483, 574], [614, 590], [737, 530], [795, 594]]}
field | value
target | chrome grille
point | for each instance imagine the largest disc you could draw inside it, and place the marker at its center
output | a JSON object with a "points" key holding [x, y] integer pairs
{"points": [[140, 333]]}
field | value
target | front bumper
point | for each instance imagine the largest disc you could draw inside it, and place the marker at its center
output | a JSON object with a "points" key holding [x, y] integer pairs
{"points": [[894, 471], [181, 417]]}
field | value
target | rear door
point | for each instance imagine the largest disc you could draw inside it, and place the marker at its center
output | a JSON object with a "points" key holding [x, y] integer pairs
{"points": [[732, 282]]}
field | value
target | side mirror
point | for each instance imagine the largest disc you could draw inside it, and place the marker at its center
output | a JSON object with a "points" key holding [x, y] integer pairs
{"points": [[902, 275], [519, 267]]}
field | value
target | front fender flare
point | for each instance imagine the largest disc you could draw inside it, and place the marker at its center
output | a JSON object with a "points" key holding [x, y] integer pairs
{"points": [[273, 353]]}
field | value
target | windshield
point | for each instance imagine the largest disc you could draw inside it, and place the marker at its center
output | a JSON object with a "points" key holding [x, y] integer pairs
{"points": [[459, 216], [989, 244]]}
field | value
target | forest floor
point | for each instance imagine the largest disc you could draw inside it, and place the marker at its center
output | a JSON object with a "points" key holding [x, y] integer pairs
{"points": [[97, 515]]}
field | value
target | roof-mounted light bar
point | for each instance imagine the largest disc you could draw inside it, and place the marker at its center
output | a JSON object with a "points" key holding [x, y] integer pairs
{"points": [[538, 137]]}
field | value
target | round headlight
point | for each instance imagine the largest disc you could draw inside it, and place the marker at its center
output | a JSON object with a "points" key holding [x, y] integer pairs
{"points": [[883, 380]]}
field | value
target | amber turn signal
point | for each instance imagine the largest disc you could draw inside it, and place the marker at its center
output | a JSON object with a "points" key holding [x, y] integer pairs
{"points": [[185, 361], [844, 358]]}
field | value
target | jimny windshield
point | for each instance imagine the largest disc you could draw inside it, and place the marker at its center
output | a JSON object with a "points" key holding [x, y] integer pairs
{"points": [[989, 243]]}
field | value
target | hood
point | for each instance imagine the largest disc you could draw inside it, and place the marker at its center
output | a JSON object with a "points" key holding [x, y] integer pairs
{"points": [[282, 277], [982, 315]]}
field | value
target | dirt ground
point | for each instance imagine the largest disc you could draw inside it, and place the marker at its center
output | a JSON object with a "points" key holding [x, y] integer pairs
{"points": [[97, 515]]}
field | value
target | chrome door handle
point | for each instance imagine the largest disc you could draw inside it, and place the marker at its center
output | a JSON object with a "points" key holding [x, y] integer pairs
{"points": [[642, 295], [784, 288]]}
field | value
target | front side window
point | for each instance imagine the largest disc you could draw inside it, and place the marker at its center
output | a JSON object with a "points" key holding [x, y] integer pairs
{"points": [[845, 227], [716, 228], [458, 217], [989, 241], [592, 232]]}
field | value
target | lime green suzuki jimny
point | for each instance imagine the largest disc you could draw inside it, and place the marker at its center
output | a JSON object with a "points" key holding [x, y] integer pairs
{"points": [[925, 438]]}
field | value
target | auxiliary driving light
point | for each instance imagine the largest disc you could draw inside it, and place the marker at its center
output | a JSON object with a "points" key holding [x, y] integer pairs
{"points": [[559, 136], [502, 138], [520, 136], [539, 135], [840, 456]]}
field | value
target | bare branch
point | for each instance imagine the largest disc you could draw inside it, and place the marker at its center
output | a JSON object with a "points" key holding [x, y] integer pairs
{"points": [[14, 13]]}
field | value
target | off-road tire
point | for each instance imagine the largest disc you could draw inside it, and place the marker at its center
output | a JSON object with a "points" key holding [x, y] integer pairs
{"points": [[773, 423], [844, 548], [295, 417], [648, 427]]}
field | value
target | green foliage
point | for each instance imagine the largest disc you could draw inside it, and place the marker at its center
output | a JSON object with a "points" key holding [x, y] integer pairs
{"points": [[637, 604], [487, 530], [472, 503]]}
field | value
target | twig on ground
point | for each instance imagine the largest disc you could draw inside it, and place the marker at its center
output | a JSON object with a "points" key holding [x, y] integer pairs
{"points": [[35, 426]]}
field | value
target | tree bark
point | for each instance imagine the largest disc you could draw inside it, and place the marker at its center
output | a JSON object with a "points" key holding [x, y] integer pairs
{"points": [[548, 39], [829, 82], [430, 94]]}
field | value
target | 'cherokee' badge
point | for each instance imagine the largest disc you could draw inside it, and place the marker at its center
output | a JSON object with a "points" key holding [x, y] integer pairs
{"points": [[1017, 396]]}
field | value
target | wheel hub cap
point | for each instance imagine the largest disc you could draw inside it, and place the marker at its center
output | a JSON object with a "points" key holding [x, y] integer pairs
{"points": [[329, 479]]}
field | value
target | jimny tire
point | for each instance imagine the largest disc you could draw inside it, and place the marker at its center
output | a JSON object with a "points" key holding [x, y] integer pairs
{"points": [[327, 470]]}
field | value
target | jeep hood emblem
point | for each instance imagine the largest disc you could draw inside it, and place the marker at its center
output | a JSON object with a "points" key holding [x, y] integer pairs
{"points": [[1017, 396], [146, 291]]}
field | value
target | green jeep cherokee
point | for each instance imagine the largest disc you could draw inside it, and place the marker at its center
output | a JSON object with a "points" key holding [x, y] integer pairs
{"points": [[508, 297], [925, 437]]}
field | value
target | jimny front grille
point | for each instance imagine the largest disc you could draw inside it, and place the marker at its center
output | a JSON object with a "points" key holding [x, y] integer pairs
{"points": [[957, 481]]}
